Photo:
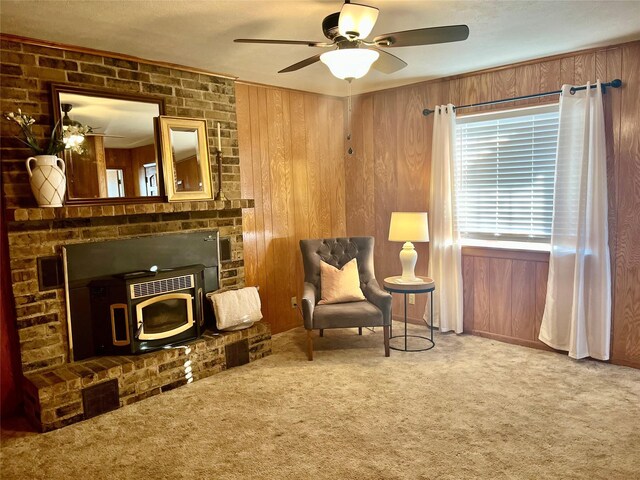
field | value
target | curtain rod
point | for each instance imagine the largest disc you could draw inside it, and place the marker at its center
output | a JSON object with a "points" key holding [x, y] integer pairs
{"points": [[617, 83]]}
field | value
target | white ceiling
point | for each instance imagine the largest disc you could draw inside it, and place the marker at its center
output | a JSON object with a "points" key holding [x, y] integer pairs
{"points": [[200, 33]]}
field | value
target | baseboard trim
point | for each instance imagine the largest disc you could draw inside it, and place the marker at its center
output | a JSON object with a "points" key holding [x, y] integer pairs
{"points": [[519, 341], [514, 341], [625, 362]]}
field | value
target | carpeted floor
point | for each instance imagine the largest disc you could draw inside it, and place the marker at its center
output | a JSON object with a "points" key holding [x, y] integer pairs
{"points": [[470, 408]]}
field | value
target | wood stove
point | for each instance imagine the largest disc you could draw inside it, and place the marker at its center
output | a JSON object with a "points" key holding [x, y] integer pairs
{"points": [[142, 311]]}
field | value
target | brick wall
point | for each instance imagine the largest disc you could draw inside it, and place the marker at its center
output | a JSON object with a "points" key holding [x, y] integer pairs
{"points": [[27, 71]]}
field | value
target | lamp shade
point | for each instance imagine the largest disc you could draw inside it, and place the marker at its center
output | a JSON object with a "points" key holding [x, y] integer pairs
{"points": [[349, 62], [409, 227]]}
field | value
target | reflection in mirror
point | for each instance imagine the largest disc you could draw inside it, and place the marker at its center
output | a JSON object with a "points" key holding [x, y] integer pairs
{"points": [[184, 145], [115, 183], [117, 158], [185, 158]]}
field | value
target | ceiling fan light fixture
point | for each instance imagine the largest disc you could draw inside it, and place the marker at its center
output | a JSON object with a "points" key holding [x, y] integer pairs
{"points": [[73, 132], [349, 63], [72, 141], [357, 21]]}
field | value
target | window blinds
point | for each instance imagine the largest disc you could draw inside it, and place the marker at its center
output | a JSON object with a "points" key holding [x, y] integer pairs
{"points": [[505, 165]]}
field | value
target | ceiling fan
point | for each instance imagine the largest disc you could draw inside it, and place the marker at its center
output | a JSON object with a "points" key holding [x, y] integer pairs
{"points": [[353, 55], [74, 132]]}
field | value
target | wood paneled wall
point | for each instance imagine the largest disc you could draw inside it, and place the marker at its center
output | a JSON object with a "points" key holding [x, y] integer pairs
{"points": [[624, 153], [503, 289], [504, 294], [390, 172], [291, 159]]}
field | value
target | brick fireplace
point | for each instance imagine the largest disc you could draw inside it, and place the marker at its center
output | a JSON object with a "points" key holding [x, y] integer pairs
{"points": [[53, 385]]}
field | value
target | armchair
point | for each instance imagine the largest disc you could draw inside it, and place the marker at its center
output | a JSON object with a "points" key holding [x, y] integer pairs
{"points": [[375, 311]]}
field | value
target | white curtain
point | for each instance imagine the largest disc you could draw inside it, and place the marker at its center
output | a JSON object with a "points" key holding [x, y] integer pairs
{"points": [[577, 313], [445, 258]]}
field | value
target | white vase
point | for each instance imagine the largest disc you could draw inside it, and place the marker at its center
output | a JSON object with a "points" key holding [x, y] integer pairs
{"points": [[48, 180]]}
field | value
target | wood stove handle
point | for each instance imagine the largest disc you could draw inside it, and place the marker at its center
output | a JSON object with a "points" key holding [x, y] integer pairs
{"points": [[201, 300]]}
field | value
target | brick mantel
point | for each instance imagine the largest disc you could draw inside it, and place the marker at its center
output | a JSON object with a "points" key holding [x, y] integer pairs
{"points": [[39, 214]]}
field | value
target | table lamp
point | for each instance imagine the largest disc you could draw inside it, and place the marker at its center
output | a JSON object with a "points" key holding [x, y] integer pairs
{"points": [[408, 227]]}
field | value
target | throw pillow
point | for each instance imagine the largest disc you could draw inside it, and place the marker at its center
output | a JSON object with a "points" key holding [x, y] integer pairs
{"points": [[340, 286]]}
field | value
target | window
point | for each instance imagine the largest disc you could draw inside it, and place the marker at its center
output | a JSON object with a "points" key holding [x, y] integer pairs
{"points": [[505, 165]]}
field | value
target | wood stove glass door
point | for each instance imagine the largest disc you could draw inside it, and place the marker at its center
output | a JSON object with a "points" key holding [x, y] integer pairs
{"points": [[164, 316]]}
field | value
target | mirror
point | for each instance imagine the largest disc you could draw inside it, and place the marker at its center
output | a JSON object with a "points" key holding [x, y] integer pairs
{"points": [[185, 158], [117, 160]]}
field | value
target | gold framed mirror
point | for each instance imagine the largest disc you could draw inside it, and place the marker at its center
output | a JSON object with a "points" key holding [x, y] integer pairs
{"points": [[185, 158], [118, 161]]}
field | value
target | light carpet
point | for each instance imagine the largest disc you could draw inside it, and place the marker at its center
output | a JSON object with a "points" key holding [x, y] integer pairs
{"points": [[470, 408]]}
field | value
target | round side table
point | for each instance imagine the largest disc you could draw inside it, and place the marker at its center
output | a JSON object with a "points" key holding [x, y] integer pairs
{"points": [[425, 285]]}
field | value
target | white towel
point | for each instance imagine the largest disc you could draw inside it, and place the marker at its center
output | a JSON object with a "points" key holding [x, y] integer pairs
{"points": [[236, 309]]}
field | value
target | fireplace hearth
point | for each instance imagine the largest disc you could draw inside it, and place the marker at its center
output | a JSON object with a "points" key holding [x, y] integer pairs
{"points": [[80, 390]]}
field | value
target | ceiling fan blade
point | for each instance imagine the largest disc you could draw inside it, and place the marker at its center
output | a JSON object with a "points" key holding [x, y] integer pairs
{"points": [[423, 36], [357, 21], [388, 63], [304, 63], [308, 43], [103, 135]]}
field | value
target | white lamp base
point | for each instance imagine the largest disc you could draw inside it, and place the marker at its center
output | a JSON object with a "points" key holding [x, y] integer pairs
{"points": [[408, 259]]}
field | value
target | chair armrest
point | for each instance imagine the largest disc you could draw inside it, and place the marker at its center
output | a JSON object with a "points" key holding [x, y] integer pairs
{"points": [[309, 296], [380, 298]]}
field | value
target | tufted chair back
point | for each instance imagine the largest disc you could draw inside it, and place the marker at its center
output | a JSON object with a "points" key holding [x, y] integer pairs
{"points": [[337, 252]]}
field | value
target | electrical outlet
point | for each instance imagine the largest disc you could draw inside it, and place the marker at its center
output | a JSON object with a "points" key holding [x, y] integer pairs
{"points": [[294, 302], [412, 298]]}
